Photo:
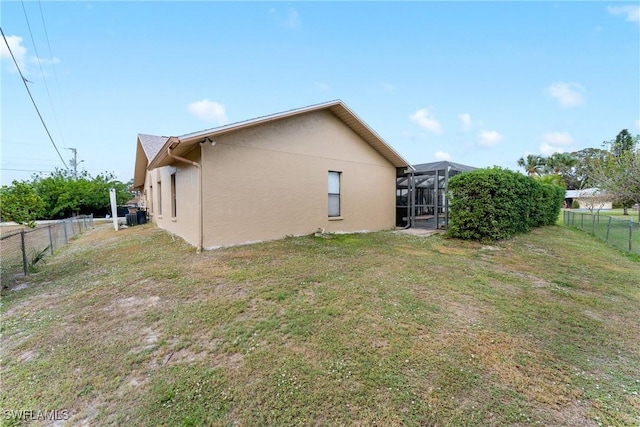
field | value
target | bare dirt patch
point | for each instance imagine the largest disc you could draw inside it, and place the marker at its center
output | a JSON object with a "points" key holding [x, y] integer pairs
{"points": [[131, 306]]}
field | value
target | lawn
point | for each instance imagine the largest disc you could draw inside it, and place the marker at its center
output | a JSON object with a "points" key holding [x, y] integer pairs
{"points": [[134, 328], [622, 232]]}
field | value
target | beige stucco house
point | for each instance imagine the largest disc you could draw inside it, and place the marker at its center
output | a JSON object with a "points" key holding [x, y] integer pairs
{"points": [[291, 173], [589, 198]]}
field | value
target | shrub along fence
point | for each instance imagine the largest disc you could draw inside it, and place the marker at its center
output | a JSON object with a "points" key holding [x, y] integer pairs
{"points": [[495, 203], [622, 233], [20, 250]]}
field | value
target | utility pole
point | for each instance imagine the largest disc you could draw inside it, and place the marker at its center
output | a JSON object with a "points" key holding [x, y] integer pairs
{"points": [[74, 162]]}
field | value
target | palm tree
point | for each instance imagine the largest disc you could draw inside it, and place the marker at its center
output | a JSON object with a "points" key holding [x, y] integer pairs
{"points": [[533, 164], [559, 162]]}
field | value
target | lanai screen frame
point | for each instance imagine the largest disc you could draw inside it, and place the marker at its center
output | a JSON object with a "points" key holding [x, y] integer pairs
{"points": [[421, 194]]}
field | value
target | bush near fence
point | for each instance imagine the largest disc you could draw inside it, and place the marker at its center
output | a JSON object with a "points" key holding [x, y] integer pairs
{"points": [[622, 233], [19, 248]]}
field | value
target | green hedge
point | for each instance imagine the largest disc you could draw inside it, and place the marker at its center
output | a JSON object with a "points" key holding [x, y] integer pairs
{"points": [[496, 203]]}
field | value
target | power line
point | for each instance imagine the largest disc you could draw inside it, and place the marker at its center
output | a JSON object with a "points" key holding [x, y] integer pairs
{"points": [[35, 48], [55, 72], [31, 96]]}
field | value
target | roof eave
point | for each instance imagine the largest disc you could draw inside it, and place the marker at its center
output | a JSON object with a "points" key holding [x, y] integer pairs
{"points": [[196, 136], [140, 167], [339, 109], [336, 107]]}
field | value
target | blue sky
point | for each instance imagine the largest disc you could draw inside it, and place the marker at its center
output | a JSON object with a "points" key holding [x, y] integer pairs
{"points": [[479, 83]]}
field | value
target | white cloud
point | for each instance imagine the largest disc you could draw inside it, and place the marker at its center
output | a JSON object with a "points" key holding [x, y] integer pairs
{"points": [[555, 142], [547, 149], [425, 119], [290, 20], [209, 111], [567, 94], [20, 54], [638, 124], [489, 138], [441, 155], [558, 138], [19, 51], [630, 12], [44, 61], [465, 118]]}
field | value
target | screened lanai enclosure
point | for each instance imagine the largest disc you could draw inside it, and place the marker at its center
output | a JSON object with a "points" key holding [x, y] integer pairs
{"points": [[421, 199]]}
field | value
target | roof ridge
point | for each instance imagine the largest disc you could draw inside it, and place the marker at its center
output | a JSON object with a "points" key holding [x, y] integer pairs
{"points": [[264, 117]]}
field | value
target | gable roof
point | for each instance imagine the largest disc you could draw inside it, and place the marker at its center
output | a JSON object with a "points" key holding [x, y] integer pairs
{"points": [[151, 144], [147, 149], [180, 145]]}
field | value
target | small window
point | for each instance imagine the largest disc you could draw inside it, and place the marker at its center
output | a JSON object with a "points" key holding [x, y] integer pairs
{"points": [[334, 194], [151, 198], [173, 196], [159, 198]]}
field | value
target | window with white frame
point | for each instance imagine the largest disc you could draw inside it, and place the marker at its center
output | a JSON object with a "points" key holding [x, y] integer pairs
{"points": [[334, 194]]}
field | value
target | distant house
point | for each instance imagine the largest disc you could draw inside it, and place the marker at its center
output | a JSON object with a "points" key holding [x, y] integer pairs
{"points": [[291, 173], [588, 198]]}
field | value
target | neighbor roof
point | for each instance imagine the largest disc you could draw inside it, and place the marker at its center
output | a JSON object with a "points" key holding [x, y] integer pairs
{"points": [[184, 143], [585, 192]]}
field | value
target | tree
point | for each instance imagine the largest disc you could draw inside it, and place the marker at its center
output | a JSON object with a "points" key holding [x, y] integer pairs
{"points": [[580, 175], [20, 203], [552, 179], [619, 172], [623, 143], [559, 163], [533, 164], [65, 196], [595, 200]]}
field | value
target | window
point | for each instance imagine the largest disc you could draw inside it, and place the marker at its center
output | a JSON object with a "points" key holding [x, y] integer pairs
{"points": [[151, 198], [173, 196], [334, 194], [159, 198]]}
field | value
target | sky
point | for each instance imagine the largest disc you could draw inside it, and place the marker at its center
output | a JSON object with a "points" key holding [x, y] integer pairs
{"points": [[478, 83]]}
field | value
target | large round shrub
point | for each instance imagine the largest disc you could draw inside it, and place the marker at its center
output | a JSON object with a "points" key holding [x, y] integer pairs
{"points": [[496, 203]]}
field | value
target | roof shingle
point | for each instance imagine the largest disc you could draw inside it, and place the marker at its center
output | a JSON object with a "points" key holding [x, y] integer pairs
{"points": [[151, 144]]}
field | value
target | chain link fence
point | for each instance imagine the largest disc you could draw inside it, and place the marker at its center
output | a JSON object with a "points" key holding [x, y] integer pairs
{"points": [[21, 249], [622, 233]]}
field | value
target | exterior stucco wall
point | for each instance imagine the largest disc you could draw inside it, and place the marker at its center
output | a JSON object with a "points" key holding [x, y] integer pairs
{"points": [[185, 223], [589, 203], [271, 180]]}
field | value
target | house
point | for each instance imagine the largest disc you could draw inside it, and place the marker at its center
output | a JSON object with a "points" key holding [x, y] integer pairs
{"points": [[291, 173], [588, 198]]}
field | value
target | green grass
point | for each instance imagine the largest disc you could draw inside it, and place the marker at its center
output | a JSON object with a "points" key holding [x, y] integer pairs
{"points": [[613, 229], [620, 213], [134, 328]]}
